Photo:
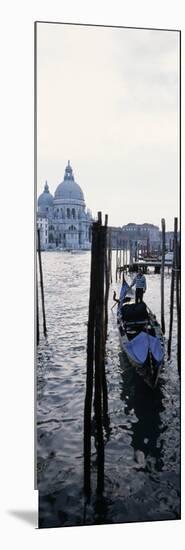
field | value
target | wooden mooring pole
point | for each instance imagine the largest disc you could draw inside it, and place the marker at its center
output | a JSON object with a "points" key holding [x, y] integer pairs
{"points": [[173, 275], [107, 273], [131, 254], [162, 275], [178, 275], [89, 373], [120, 263], [116, 261], [126, 255], [100, 278], [41, 284], [107, 276], [135, 252], [110, 255], [175, 289], [99, 347]]}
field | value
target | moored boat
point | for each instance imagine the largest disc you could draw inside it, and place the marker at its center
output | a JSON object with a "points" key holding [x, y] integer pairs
{"points": [[141, 338]]}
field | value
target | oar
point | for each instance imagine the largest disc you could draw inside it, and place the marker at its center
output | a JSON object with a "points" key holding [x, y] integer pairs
{"points": [[116, 300], [149, 351]]}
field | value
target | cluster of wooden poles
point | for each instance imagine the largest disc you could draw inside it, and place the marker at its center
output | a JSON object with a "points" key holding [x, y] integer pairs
{"points": [[42, 291], [96, 386], [133, 248], [121, 259]]}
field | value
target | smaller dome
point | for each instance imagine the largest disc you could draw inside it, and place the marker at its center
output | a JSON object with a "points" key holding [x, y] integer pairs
{"points": [[45, 199]]}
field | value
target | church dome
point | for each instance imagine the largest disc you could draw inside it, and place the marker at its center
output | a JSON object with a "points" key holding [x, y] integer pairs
{"points": [[69, 189], [45, 199]]}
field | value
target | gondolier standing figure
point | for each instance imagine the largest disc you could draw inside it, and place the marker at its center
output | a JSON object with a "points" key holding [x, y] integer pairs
{"points": [[140, 282]]}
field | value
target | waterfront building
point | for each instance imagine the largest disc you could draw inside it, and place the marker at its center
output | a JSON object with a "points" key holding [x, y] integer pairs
{"points": [[69, 222], [143, 232], [42, 224]]}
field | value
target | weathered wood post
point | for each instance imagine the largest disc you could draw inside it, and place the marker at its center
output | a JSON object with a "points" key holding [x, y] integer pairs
{"points": [[89, 374], [105, 297], [116, 260], [131, 255], [135, 252], [123, 254], [126, 255], [120, 260], [162, 275], [173, 274], [99, 342], [178, 275], [110, 254], [100, 280], [41, 284], [100, 218], [107, 281]]}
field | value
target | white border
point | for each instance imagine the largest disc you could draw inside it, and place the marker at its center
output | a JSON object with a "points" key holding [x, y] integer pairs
{"points": [[17, 32]]}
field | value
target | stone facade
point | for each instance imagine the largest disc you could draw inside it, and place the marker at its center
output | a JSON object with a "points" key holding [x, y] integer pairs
{"points": [[146, 234], [69, 223], [42, 224], [143, 232]]}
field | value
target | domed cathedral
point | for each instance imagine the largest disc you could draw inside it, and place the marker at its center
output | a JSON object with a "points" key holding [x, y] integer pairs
{"points": [[63, 220]]}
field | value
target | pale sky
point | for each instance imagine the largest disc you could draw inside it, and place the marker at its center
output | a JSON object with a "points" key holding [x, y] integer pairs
{"points": [[108, 100]]}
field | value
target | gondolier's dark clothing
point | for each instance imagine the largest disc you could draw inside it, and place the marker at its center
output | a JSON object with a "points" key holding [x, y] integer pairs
{"points": [[140, 283], [139, 295]]}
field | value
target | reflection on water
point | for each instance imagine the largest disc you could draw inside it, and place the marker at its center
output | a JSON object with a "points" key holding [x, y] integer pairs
{"points": [[142, 434], [147, 405]]}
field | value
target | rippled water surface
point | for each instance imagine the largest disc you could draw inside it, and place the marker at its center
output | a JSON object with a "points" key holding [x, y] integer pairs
{"points": [[142, 441]]}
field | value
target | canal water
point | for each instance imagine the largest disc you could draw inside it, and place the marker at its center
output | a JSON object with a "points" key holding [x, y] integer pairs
{"points": [[142, 439]]}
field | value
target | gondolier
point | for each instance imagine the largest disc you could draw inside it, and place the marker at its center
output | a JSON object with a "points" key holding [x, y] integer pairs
{"points": [[141, 340], [140, 282]]}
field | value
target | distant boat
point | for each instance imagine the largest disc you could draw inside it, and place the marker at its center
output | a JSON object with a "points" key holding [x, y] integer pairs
{"points": [[141, 338]]}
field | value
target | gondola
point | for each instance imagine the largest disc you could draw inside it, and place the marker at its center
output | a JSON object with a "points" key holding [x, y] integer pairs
{"points": [[141, 337]]}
